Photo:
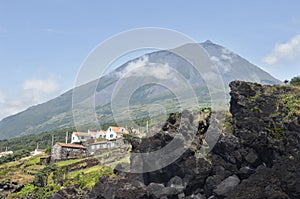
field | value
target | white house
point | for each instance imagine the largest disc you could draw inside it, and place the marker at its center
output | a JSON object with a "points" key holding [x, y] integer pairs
{"points": [[114, 132], [94, 134], [78, 137], [38, 151], [5, 153], [102, 134]]}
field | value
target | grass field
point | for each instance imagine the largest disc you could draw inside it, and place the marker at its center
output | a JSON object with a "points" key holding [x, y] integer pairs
{"points": [[82, 175]]}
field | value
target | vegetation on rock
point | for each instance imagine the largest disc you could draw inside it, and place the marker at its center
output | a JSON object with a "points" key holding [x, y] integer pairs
{"points": [[295, 81]]}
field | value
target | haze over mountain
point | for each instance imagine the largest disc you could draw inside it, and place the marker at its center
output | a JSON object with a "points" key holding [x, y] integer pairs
{"points": [[57, 113]]}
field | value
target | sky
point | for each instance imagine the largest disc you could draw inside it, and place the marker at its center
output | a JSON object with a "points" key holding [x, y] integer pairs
{"points": [[43, 43]]}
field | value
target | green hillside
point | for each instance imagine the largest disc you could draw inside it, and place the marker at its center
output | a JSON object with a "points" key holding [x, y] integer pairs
{"points": [[57, 113]]}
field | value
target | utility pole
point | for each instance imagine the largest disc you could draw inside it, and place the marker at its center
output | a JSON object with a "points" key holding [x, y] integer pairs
{"points": [[52, 140], [147, 127], [67, 137]]}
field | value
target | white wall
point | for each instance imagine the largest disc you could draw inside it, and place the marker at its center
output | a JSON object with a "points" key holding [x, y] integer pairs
{"points": [[110, 134], [78, 138]]}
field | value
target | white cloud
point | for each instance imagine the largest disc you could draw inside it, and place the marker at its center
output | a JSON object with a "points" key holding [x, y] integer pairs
{"points": [[223, 63], [224, 60], [34, 91], [49, 85], [142, 67], [38, 90], [284, 52]]}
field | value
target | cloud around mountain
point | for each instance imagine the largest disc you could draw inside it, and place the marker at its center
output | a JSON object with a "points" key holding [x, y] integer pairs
{"points": [[33, 91], [142, 68]]}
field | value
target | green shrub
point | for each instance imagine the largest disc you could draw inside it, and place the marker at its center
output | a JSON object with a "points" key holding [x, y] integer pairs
{"points": [[27, 189], [295, 81], [41, 177], [292, 102]]}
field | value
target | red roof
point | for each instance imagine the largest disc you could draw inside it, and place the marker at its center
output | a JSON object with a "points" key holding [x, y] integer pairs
{"points": [[118, 129], [93, 133], [6, 152], [81, 133], [78, 146]]}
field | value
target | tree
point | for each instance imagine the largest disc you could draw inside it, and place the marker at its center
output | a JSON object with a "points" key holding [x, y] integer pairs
{"points": [[48, 150], [295, 81], [41, 177]]}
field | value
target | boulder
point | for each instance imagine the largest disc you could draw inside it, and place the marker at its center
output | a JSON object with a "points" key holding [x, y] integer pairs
{"points": [[226, 185], [176, 182], [211, 184], [160, 191], [252, 158], [245, 172]]}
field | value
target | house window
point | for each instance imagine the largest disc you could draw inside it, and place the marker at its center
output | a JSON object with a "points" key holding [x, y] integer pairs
{"points": [[73, 138], [111, 135], [82, 137]]}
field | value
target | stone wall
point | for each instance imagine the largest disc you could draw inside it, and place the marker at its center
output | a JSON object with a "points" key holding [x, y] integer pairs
{"points": [[72, 153], [62, 153], [97, 147], [56, 152]]}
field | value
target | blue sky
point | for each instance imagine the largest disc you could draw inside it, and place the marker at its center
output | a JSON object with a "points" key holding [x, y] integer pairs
{"points": [[43, 43]]}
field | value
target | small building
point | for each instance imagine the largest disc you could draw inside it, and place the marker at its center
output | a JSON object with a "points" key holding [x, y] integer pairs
{"points": [[105, 145], [114, 132], [102, 134], [96, 146], [117, 142], [63, 151], [5, 153], [79, 137], [45, 160], [94, 134], [38, 151]]}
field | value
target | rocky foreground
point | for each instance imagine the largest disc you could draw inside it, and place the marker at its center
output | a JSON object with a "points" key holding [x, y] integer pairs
{"points": [[258, 158]]}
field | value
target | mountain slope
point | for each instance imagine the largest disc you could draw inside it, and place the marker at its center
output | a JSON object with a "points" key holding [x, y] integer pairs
{"points": [[233, 66], [57, 113]]}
